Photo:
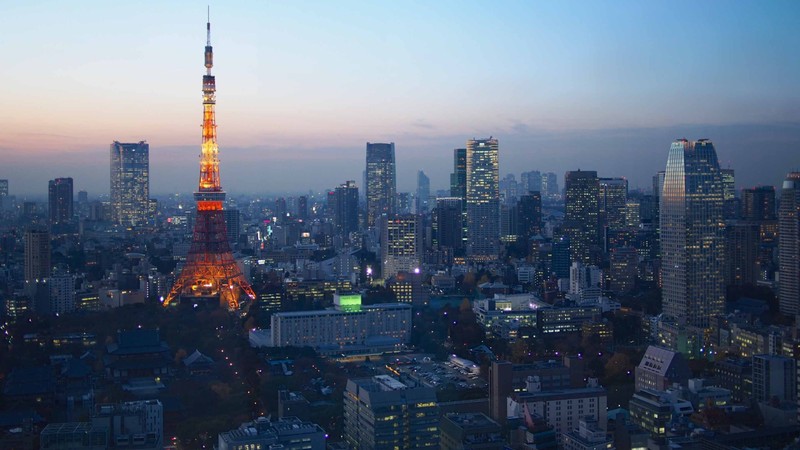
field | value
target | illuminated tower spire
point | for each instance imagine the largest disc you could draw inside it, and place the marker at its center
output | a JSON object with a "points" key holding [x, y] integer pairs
{"points": [[210, 270]]}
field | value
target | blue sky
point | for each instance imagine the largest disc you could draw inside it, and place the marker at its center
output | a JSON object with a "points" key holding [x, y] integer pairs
{"points": [[302, 86]]}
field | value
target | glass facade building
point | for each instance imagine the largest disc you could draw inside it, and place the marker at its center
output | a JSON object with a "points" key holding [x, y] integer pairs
{"points": [[130, 183], [693, 234], [381, 181]]}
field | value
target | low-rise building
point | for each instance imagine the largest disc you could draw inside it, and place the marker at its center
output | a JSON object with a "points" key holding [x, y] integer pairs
{"points": [[288, 433], [588, 436], [470, 431]]}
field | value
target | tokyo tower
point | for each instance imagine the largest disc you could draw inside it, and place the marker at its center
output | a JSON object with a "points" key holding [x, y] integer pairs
{"points": [[210, 271]]}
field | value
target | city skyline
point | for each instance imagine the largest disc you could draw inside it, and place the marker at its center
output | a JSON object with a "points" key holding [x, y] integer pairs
{"points": [[609, 95]]}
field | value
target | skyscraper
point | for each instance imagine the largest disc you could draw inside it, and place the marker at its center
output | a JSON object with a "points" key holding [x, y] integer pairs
{"points": [[401, 244], [3, 188], [423, 192], [37, 255], [458, 179], [130, 183], [449, 224], [789, 245], [345, 216], [613, 196], [60, 201], [529, 215], [758, 203], [693, 234], [381, 181], [581, 218], [483, 198], [550, 186]]}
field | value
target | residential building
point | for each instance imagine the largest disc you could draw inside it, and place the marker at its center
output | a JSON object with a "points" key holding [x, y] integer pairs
{"points": [[483, 199], [789, 245], [401, 244]]}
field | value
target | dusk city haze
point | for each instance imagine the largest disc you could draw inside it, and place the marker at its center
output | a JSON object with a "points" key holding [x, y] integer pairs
{"points": [[400, 225]]}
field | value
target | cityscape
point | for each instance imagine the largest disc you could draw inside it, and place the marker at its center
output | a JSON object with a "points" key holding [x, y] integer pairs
{"points": [[610, 263]]}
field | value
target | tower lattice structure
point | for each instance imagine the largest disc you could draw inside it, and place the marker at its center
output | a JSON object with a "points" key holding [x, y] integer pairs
{"points": [[210, 271]]}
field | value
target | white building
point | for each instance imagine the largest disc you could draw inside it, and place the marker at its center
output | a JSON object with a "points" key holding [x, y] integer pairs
{"points": [[347, 327]]}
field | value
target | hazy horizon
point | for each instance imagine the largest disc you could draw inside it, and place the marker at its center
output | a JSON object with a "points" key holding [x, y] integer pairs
{"points": [[303, 86]]}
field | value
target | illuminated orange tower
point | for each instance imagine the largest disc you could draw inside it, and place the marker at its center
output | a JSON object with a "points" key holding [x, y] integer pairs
{"points": [[210, 270]]}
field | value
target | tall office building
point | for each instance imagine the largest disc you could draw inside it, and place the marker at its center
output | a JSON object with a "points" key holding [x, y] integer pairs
{"points": [[774, 377], [233, 223], [401, 244], [458, 179], [581, 219], [758, 203], [302, 207], [741, 253], [530, 181], [3, 188], [381, 181], [449, 224], [550, 186], [383, 412], [483, 198], [423, 192], [345, 216], [789, 245], [529, 215], [693, 234], [60, 201], [130, 183], [613, 197], [37, 255]]}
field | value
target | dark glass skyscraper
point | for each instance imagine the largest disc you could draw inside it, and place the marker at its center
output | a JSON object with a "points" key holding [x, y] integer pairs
{"points": [[381, 181], [458, 179], [130, 183], [789, 245], [581, 218], [450, 224], [345, 206], [693, 234], [60, 201], [483, 198], [423, 192]]}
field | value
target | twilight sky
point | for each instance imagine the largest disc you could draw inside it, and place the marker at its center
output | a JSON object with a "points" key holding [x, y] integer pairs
{"points": [[303, 85]]}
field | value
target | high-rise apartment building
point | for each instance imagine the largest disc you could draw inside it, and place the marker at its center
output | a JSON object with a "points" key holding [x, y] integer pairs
{"points": [[381, 181], [423, 192], [37, 255], [345, 216], [483, 198], [458, 179], [401, 244], [130, 183], [613, 197], [693, 234], [789, 245], [383, 412], [60, 201], [581, 219]]}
